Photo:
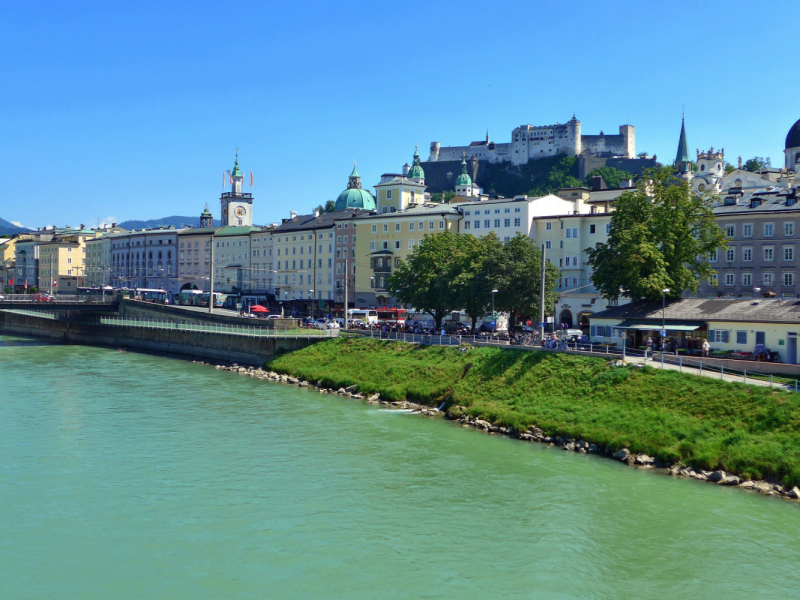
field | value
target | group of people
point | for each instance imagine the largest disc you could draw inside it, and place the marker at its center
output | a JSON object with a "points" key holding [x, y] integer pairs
{"points": [[670, 345]]}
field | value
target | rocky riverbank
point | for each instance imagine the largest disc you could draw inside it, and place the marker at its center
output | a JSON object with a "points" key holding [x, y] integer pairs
{"points": [[532, 434]]}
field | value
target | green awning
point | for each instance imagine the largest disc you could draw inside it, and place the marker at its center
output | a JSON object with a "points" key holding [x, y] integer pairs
{"points": [[685, 326]]}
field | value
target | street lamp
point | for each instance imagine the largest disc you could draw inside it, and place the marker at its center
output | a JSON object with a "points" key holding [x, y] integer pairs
{"points": [[311, 304], [664, 293], [494, 321]]}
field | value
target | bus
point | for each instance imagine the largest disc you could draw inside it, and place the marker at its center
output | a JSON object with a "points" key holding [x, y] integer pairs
{"points": [[392, 315], [188, 298], [152, 295], [95, 292], [370, 317]]}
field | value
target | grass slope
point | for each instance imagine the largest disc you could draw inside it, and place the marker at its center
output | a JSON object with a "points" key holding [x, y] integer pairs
{"points": [[749, 430]]}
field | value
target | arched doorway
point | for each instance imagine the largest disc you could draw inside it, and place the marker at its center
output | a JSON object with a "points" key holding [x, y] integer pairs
{"points": [[566, 318], [188, 286]]}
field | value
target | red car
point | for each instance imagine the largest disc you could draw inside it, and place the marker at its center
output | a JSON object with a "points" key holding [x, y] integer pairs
{"points": [[43, 298]]}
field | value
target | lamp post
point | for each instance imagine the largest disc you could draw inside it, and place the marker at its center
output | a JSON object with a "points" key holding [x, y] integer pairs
{"points": [[664, 293], [494, 321], [311, 304]]}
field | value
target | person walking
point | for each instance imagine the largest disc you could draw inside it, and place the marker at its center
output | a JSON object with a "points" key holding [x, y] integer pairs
{"points": [[649, 345], [706, 348]]}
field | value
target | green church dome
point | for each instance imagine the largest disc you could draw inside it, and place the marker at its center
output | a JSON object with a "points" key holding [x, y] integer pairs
{"points": [[354, 196], [416, 171], [464, 178]]}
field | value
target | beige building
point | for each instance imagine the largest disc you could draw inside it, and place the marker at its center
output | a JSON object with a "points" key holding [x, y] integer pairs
{"points": [[61, 267], [232, 258], [262, 274]]}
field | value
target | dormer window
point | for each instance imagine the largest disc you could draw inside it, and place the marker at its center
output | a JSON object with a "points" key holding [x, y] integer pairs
{"points": [[755, 202]]}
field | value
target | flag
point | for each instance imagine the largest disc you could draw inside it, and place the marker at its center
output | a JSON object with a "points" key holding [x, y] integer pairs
{"points": [[251, 179], [10, 282], [223, 180], [230, 177]]}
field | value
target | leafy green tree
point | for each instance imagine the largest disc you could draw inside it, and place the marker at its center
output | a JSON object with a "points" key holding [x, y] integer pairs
{"points": [[7, 290], [659, 237], [561, 175], [478, 276], [330, 206], [757, 163], [320, 209], [445, 197], [518, 271], [425, 280], [611, 175]]}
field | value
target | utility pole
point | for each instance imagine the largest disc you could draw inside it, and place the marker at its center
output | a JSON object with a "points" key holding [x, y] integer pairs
{"points": [[541, 298], [345, 288], [211, 277]]}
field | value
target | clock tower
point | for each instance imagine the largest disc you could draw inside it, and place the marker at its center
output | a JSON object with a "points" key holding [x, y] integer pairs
{"points": [[237, 207]]}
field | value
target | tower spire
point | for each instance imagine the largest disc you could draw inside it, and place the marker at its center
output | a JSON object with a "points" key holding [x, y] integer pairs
{"points": [[683, 148]]}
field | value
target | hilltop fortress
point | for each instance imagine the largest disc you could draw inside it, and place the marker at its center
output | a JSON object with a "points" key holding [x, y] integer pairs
{"points": [[532, 142]]}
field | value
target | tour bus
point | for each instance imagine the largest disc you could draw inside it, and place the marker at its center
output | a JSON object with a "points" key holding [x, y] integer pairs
{"points": [[188, 298], [95, 292], [370, 317], [152, 295], [392, 315]]}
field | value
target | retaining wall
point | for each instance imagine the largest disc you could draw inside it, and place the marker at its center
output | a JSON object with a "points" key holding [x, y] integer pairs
{"points": [[136, 309], [208, 346]]}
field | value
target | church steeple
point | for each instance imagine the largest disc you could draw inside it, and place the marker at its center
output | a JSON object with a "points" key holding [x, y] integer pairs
{"points": [[683, 146], [354, 181], [206, 218]]}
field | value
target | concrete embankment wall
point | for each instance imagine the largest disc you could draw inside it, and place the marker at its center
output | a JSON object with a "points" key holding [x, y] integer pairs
{"points": [[208, 346]]}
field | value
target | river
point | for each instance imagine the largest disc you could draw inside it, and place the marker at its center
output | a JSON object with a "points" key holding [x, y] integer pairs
{"points": [[126, 475]]}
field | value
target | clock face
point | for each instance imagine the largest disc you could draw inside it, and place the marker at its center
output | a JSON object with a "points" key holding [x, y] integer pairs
{"points": [[241, 212]]}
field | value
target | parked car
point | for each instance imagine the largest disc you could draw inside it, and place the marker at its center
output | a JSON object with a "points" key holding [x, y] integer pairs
{"points": [[321, 324], [274, 317], [43, 298]]}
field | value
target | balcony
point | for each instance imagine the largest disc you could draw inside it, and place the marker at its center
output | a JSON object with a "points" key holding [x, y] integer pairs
{"points": [[383, 269], [243, 196]]}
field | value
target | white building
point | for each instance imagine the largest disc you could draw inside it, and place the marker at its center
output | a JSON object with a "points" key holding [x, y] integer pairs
{"points": [[145, 259]]}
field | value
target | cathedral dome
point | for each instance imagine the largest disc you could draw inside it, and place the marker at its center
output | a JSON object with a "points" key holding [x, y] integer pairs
{"points": [[416, 171], [354, 196], [793, 137], [464, 179]]}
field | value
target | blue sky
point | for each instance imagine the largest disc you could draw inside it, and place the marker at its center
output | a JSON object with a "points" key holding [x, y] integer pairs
{"points": [[133, 110]]}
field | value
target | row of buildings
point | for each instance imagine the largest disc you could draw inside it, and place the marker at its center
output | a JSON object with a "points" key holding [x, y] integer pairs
{"points": [[311, 259]]}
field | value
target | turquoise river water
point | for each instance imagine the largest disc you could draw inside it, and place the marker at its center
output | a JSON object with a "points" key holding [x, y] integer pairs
{"points": [[125, 475]]}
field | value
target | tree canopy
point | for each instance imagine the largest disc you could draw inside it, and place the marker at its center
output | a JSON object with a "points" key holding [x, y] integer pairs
{"points": [[611, 175], [660, 236], [757, 163]]}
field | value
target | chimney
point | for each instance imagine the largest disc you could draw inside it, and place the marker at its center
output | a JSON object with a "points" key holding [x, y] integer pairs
{"points": [[626, 183], [292, 214], [83, 226], [316, 212], [113, 225], [598, 183]]}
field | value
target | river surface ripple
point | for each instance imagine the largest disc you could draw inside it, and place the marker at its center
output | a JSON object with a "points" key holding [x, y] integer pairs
{"points": [[125, 475]]}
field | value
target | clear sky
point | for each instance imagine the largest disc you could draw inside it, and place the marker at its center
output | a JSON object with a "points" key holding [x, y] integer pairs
{"points": [[132, 110]]}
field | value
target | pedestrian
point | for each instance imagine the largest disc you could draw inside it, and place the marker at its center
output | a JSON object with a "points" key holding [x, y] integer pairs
{"points": [[649, 345], [706, 348]]}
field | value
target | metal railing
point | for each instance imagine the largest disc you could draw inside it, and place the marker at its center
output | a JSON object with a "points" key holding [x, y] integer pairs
{"points": [[44, 299], [213, 328]]}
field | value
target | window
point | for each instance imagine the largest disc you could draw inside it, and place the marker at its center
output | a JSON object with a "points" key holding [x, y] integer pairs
{"points": [[769, 229], [788, 229], [388, 194], [497, 211], [477, 224], [441, 224], [374, 229], [507, 210], [397, 226], [487, 223], [747, 279], [384, 245], [730, 254], [730, 279], [385, 228], [506, 222], [338, 239], [516, 210], [768, 278], [411, 226], [497, 222], [548, 226], [608, 228], [430, 225], [517, 222], [592, 228], [747, 230], [769, 252], [548, 245], [741, 337], [397, 244], [730, 231], [712, 257], [372, 245], [788, 278], [466, 224], [712, 280], [788, 253], [720, 337], [410, 244], [747, 254]]}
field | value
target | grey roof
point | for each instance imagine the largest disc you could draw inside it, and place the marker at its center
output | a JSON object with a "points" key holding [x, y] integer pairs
{"points": [[323, 221], [771, 200], [427, 208], [758, 310], [199, 231]]}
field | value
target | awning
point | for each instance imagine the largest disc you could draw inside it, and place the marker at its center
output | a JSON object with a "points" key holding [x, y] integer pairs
{"points": [[684, 326]]}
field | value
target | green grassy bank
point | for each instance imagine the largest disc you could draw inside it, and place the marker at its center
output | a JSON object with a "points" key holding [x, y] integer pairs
{"points": [[748, 430]]}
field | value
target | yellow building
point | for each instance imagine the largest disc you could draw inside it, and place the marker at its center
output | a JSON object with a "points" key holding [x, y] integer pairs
{"points": [[61, 267], [398, 192], [389, 237]]}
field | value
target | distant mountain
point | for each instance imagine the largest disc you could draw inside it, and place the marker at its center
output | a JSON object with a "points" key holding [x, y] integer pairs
{"points": [[175, 221], [7, 228]]}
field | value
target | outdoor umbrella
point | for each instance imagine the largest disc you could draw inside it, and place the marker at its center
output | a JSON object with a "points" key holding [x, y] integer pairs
{"points": [[257, 308]]}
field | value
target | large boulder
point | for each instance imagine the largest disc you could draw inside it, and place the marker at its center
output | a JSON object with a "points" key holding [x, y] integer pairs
{"points": [[621, 454], [717, 476], [644, 459], [794, 493]]}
